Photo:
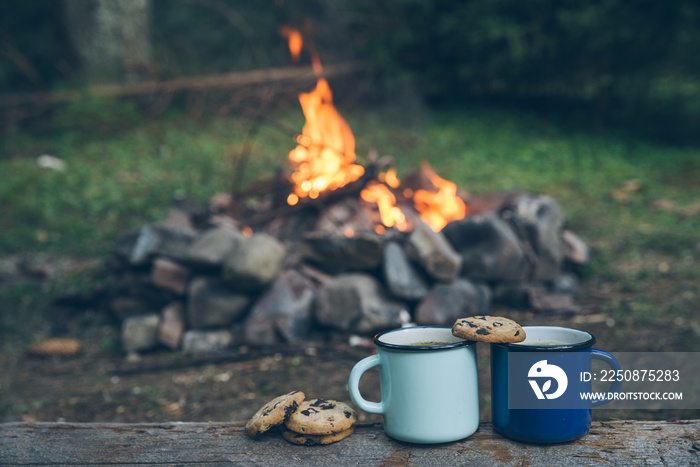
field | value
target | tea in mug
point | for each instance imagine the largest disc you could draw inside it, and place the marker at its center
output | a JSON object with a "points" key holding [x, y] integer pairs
{"points": [[544, 343], [426, 343]]}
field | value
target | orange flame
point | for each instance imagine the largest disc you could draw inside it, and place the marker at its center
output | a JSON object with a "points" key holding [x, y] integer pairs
{"points": [[295, 41], [391, 215], [389, 177], [324, 159], [325, 153], [439, 208]]}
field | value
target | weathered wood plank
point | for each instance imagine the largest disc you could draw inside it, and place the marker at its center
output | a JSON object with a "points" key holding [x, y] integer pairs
{"points": [[618, 443]]}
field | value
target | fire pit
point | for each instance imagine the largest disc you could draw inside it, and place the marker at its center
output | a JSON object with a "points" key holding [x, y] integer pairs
{"points": [[337, 247]]}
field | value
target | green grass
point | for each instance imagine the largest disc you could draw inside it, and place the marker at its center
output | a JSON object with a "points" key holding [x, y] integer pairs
{"points": [[115, 181], [119, 180]]}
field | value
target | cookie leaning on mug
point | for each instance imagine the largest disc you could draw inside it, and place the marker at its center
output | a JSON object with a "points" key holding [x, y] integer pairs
{"points": [[494, 329]]}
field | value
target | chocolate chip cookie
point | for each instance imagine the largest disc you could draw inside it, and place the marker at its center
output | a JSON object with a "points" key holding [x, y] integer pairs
{"points": [[495, 329], [310, 440], [321, 417], [274, 413]]}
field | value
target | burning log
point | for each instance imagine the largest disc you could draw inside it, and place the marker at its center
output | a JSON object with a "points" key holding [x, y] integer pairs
{"points": [[324, 199]]}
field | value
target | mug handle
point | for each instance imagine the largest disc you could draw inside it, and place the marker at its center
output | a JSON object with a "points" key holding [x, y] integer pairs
{"points": [[354, 385], [615, 365]]}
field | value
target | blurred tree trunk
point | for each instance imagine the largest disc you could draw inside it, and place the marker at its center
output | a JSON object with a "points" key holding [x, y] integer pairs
{"points": [[111, 38]]}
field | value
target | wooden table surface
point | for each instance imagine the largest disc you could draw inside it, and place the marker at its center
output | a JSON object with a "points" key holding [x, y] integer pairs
{"points": [[674, 443]]}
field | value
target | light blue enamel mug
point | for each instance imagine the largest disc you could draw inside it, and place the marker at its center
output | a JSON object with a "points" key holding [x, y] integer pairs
{"points": [[428, 385]]}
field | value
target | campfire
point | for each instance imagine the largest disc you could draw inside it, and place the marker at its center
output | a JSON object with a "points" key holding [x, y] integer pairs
{"points": [[337, 247]]}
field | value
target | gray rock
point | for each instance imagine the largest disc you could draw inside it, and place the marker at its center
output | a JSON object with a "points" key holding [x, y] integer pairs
{"points": [[340, 253], [541, 300], [180, 219], [348, 213], [194, 341], [172, 325], [125, 307], [575, 249], [445, 303], [489, 248], [357, 303], [291, 228], [514, 294], [283, 313], [213, 246], [212, 303], [566, 284], [169, 275], [402, 278], [138, 284], [433, 252], [125, 245], [237, 330], [539, 222], [254, 262], [152, 240], [140, 333]]}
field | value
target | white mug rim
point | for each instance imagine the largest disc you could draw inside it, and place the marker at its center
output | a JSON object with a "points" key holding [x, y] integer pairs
{"points": [[457, 343], [585, 340]]}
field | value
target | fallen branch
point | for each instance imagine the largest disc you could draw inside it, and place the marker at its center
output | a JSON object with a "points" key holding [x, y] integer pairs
{"points": [[228, 80]]}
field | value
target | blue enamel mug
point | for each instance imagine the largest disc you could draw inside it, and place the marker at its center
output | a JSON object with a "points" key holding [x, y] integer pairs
{"points": [[428, 385], [539, 386]]}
